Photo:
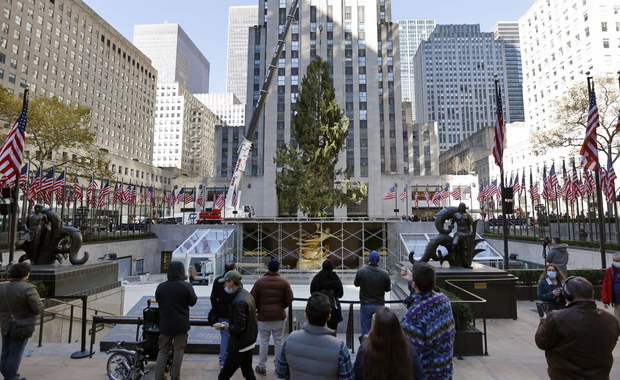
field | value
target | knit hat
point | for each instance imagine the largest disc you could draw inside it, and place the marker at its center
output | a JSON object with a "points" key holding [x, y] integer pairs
{"points": [[274, 265], [373, 257], [328, 265], [232, 275]]}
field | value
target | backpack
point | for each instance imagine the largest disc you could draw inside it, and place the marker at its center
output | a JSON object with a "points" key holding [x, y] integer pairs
{"points": [[334, 303]]}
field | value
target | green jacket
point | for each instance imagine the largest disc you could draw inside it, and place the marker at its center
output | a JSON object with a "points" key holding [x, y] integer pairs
{"points": [[23, 298]]}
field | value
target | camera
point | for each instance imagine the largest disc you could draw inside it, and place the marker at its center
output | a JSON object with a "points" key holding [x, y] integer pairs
{"points": [[545, 241]]}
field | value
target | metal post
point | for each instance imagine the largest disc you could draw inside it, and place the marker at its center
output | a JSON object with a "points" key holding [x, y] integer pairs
{"points": [[83, 353]]}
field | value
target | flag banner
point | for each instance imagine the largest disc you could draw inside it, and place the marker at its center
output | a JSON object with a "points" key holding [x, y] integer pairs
{"points": [[498, 140], [437, 196], [589, 148], [103, 194], [403, 195], [59, 186], [390, 194], [23, 175], [467, 190], [456, 194], [201, 198], [415, 198], [219, 201], [12, 150]]}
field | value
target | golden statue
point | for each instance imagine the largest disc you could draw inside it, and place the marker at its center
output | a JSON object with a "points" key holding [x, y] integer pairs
{"points": [[313, 249]]}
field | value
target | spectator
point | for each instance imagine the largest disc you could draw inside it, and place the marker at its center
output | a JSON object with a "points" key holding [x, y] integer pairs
{"points": [[242, 328], [328, 283], [20, 298], [550, 287], [610, 293], [387, 353], [174, 298], [373, 283], [558, 254], [428, 323], [583, 235], [221, 300], [578, 340], [272, 295], [313, 353]]}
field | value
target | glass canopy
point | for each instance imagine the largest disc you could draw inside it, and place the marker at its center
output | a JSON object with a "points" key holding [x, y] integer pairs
{"points": [[204, 242]]}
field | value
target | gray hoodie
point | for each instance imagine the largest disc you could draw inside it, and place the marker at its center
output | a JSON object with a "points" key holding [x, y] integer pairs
{"points": [[558, 255]]}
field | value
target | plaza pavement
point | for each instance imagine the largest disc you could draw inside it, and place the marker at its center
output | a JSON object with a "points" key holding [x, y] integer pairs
{"points": [[513, 355]]}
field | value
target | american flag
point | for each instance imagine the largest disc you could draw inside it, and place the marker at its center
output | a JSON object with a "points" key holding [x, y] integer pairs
{"points": [[523, 181], [403, 195], [390, 194], [427, 196], [133, 194], [103, 193], [603, 179], [201, 197], [498, 141], [576, 185], [164, 198], [23, 175], [189, 197], [181, 195], [437, 196], [118, 193], [47, 184], [33, 189], [92, 185], [565, 189], [467, 190], [59, 187], [233, 203], [492, 189], [172, 199], [76, 190], [553, 179], [445, 193], [516, 186], [127, 194], [415, 198], [533, 188], [610, 189], [589, 148], [142, 195], [589, 181], [456, 193], [481, 194], [545, 185], [12, 149], [219, 201]]}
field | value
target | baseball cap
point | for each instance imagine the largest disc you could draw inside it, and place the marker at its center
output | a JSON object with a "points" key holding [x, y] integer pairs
{"points": [[274, 265], [373, 256], [231, 275]]}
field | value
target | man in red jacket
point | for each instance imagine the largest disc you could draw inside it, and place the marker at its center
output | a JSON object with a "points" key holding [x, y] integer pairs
{"points": [[610, 293], [273, 294]]}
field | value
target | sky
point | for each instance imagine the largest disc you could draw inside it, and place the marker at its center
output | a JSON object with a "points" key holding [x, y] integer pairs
{"points": [[205, 21]]}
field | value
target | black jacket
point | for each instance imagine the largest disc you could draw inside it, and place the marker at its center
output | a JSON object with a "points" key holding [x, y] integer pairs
{"points": [[221, 300], [328, 280], [243, 327], [174, 298]]}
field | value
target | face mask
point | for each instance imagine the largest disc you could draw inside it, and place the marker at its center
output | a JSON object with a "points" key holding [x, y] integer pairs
{"points": [[616, 264], [228, 290], [552, 275]]}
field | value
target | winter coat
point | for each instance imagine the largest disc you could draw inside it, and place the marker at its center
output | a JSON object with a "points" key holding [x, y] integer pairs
{"points": [[221, 300], [545, 293], [558, 255], [174, 298], [242, 327], [607, 291], [373, 283], [578, 342], [23, 298], [272, 294], [323, 282]]}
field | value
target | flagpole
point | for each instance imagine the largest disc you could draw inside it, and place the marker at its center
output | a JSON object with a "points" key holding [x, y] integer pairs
{"points": [[501, 169], [396, 199], [599, 200], [407, 200], [15, 197]]}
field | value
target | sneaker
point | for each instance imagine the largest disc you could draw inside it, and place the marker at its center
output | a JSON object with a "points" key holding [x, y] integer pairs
{"points": [[260, 370]]}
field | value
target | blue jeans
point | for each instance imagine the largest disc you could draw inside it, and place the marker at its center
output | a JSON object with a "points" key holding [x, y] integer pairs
{"points": [[224, 335], [366, 312], [12, 351]]}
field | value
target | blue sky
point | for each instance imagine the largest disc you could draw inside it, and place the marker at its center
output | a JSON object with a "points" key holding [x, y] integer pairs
{"points": [[205, 21]]}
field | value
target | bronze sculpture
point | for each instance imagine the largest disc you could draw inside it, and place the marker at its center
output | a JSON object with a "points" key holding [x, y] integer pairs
{"points": [[313, 248], [461, 246], [46, 240]]}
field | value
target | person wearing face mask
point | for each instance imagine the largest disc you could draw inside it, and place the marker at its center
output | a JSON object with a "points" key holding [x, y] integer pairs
{"points": [[610, 293], [550, 287], [243, 328]]}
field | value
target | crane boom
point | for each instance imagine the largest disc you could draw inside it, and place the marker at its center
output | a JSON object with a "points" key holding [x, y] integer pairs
{"points": [[233, 195]]}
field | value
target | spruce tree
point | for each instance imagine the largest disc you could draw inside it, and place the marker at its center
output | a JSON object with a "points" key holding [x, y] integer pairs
{"points": [[308, 179]]}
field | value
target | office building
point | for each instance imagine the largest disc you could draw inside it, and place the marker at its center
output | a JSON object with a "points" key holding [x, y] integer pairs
{"points": [[240, 19], [513, 80], [454, 81], [412, 32], [174, 54]]}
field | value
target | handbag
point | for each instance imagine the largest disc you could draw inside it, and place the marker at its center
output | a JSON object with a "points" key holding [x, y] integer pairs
{"points": [[21, 327]]}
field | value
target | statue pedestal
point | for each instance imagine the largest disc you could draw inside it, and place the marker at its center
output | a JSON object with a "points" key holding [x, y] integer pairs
{"points": [[73, 280], [496, 286]]}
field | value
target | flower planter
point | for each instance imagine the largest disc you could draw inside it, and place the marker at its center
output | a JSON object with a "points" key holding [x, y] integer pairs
{"points": [[469, 341]]}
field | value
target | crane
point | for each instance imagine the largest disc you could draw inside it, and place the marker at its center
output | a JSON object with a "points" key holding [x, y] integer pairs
{"points": [[233, 195]]}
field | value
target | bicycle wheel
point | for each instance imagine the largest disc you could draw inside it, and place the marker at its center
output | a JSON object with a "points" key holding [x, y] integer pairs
{"points": [[119, 367]]}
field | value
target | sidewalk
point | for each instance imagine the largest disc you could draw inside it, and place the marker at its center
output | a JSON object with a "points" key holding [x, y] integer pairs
{"points": [[513, 355]]}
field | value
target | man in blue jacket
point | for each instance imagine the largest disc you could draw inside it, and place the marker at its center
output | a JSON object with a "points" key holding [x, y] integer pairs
{"points": [[174, 297]]}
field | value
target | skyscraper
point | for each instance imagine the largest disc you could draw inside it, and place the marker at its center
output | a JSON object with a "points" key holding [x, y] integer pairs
{"points": [[184, 127], [240, 19], [513, 81], [412, 32], [454, 81], [359, 41], [174, 54]]}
